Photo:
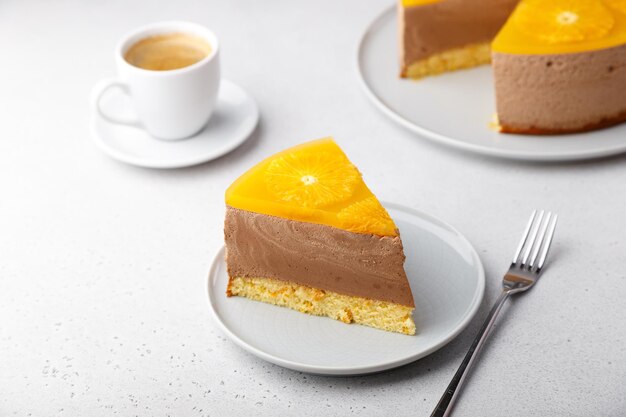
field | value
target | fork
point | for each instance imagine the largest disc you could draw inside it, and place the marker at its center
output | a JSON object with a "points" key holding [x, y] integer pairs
{"points": [[525, 269]]}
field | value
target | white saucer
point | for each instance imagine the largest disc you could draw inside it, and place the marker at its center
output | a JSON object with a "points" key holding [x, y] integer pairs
{"points": [[455, 109], [235, 118], [447, 280]]}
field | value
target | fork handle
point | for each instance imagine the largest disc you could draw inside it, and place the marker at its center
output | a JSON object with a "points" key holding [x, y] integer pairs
{"points": [[444, 407]]}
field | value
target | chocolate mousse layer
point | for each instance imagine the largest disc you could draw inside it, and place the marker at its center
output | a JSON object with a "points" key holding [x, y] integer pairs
{"points": [[449, 24], [550, 94], [318, 256]]}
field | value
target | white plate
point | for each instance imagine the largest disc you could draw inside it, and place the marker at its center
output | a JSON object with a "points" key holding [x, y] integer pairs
{"points": [[455, 109], [235, 117], [447, 280]]}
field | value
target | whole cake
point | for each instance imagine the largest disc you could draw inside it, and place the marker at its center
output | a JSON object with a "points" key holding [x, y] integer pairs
{"points": [[559, 65], [303, 231]]}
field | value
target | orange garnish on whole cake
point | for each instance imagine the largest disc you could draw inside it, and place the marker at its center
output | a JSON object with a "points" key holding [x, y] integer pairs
{"points": [[562, 21]]}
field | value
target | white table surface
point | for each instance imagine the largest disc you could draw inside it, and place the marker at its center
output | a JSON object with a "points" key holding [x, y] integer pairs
{"points": [[103, 266]]}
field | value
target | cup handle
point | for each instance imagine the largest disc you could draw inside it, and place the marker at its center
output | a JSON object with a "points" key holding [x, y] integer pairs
{"points": [[96, 95]]}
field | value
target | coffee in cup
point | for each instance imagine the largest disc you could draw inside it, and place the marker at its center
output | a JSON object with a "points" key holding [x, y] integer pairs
{"points": [[167, 51], [171, 73]]}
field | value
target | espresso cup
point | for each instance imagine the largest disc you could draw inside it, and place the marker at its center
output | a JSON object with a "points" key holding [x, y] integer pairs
{"points": [[170, 104]]}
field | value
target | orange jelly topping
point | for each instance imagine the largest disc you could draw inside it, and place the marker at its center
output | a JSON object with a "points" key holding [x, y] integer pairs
{"points": [[313, 182]]}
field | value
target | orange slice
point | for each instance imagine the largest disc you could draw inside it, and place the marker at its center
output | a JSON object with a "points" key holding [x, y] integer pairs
{"points": [[312, 179], [367, 216], [564, 21]]}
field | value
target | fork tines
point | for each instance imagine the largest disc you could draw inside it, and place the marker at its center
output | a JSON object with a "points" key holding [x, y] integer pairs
{"points": [[533, 248]]}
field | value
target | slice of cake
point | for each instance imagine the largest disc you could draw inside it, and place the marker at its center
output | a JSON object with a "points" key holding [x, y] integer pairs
{"points": [[303, 231], [444, 35], [560, 66]]}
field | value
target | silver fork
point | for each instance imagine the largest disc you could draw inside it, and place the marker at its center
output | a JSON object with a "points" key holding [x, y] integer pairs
{"points": [[523, 273]]}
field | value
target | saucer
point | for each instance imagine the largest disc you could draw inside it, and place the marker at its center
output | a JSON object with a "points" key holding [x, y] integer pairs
{"points": [[234, 119], [447, 280]]}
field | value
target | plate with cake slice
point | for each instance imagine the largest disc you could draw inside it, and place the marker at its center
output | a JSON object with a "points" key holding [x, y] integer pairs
{"points": [[508, 78], [319, 276]]}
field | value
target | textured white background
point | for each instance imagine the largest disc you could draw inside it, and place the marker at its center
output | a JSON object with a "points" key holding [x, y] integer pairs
{"points": [[103, 308]]}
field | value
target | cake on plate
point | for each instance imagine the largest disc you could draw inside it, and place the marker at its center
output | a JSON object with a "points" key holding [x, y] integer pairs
{"points": [[559, 65], [304, 231]]}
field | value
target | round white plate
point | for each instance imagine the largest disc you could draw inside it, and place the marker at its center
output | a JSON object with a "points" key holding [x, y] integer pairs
{"points": [[447, 280], [456, 108], [234, 119]]}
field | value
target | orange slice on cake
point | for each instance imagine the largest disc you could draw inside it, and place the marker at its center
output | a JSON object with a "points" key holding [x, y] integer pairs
{"points": [[562, 21]]}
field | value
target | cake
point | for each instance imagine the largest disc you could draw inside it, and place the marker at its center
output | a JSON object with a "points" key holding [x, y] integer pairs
{"points": [[437, 36], [303, 231], [559, 66]]}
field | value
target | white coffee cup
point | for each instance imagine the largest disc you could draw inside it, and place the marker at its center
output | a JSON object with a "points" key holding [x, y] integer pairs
{"points": [[170, 105]]}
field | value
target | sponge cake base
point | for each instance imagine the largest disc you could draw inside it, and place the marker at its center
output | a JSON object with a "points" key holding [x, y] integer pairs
{"points": [[454, 59], [374, 313]]}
